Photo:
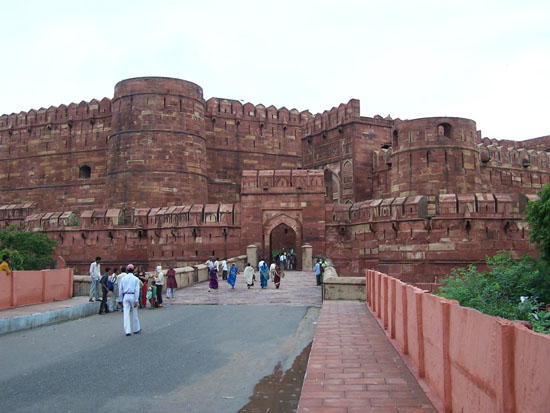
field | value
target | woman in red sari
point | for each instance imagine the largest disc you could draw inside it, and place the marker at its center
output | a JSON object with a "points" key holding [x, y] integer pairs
{"points": [[171, 283], [277, 275], [143, 278]]}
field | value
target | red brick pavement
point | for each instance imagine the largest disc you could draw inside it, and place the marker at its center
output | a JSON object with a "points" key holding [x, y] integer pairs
{"points": [[353, 367]]}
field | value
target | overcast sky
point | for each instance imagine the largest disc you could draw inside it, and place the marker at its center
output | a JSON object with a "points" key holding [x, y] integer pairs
{"points": [[484, 60]]}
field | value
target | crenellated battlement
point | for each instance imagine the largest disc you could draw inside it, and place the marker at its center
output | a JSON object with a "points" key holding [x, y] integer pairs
{"points": [[229, 108], [194, 215], [480, 205], [494, 154], [282, 181], [333, 118], [56, 115]]}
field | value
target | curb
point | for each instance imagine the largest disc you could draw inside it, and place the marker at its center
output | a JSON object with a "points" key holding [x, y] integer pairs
{"points": [[24, 322]]}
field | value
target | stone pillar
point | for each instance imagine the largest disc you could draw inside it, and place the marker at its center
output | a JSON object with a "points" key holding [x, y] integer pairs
{"points": [[252, 255], [307, 257]]}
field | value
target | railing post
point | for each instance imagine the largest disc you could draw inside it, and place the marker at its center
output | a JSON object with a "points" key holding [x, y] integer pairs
{"points": [[393, 309], [445, 340], [43, 286], [420, 334], [405, 319]]}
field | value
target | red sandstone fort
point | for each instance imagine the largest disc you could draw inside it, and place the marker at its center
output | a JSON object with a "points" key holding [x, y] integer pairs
{"points": [[158, 174]]}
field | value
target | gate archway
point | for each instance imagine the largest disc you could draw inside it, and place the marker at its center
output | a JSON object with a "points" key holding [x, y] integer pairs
{"points": [[283, 232]]}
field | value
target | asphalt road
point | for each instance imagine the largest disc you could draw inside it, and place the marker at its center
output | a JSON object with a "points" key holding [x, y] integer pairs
{"points": [[188, 358]]}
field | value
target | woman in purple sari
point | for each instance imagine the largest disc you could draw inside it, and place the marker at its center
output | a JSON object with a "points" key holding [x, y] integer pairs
{"points": [[213, 285]]}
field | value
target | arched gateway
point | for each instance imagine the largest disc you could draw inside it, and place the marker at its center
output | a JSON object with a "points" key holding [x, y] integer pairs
{"points": [[283, 209], [283, 233]]}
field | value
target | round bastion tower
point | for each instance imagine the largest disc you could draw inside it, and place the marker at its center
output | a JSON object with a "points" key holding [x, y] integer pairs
{"points": [[157, 149], [433, 156]]}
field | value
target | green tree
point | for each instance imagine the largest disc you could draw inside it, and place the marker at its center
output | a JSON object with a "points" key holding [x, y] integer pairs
{"points": [[538, 216], [498, 291], [27, 250]]}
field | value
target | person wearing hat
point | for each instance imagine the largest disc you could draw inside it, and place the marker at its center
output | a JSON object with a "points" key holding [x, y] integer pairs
{"points": [[128, 297], [5, 266]]}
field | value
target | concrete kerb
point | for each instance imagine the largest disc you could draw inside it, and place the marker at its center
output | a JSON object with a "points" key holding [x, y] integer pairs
{"points": [[27, 321]]}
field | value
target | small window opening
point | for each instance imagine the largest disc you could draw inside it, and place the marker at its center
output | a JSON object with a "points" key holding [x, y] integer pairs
{"points": [[84, 172]]}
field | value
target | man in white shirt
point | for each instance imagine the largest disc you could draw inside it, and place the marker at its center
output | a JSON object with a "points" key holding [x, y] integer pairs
{"points": [[283, 260], [128, 297], [95, 274], [217, 266], [224, 269]]}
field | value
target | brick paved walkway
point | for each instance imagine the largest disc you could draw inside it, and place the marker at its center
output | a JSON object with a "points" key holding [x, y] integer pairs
{"points": [[353, 367], [297, 288]]}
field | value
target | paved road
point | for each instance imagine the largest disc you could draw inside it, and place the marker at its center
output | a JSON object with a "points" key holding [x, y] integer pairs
{"points": [[193, 358]]}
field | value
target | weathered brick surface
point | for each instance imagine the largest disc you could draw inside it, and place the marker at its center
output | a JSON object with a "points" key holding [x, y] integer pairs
{"points": [[416, 197]]}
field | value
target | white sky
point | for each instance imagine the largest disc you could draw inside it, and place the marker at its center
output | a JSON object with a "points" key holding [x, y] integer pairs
{"points": [[484, 60]]}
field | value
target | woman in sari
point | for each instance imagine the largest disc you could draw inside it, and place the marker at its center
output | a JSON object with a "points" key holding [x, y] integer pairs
{"points": [[213, 285], [264, 275], [171, 283], [232, 277], [249, 275], [277, 275]]}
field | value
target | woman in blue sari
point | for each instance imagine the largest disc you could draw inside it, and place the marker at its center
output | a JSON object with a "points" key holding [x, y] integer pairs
{"points": [[264, 275], [232, 277], [213, 285]]}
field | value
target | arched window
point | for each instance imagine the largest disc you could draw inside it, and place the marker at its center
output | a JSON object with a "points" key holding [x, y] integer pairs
{"points": [[395, 141], [444, 129], [84, 172]]}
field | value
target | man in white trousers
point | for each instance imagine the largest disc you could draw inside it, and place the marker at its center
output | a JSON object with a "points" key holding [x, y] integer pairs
{"points": [[128, 297]]}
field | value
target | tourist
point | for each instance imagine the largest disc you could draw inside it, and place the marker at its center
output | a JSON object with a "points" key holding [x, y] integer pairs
{"points": [[95, 274], [249, 275], [144, 286], [317, 270], [272, 268], [323, 266], [105, 290], [113, 306], [209, 263], [152, 295], [171, 283], [278, 274], [261, 263], [232, 278], [217, 266], [224, 269], [128, 298], [283, 260], [264, 275], [5, 266], [159, 282], [213, 284]]}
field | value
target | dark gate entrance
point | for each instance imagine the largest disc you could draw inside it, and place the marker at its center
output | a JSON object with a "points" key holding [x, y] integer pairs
{"points": [[282, 237]]}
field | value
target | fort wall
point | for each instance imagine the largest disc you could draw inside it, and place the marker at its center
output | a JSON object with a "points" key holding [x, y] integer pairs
{"points": [[56, 156], [159, 174], [248, 136]]}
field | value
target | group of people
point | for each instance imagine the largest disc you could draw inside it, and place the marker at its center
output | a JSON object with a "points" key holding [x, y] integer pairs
{"points": [[286, 260], [130, 290], [229, 273], [274, 272]]}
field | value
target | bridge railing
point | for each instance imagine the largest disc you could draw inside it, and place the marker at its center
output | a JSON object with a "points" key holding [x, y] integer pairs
{"points": [[472, 361], [34, 287]]}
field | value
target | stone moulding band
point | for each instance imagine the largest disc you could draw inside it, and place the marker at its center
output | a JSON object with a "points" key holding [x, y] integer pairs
{"points": [[87, 183], [430, 147], [177, 132], [129, 95], [177, 171]]}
